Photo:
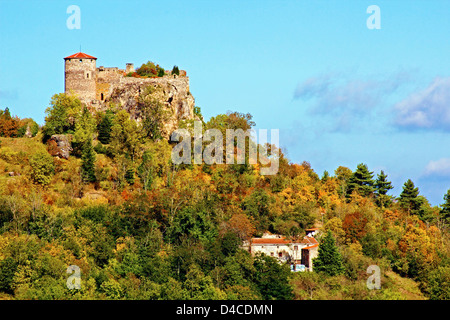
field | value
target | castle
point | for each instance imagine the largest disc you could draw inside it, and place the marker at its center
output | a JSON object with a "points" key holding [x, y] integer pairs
{"points": [[97, 87]]}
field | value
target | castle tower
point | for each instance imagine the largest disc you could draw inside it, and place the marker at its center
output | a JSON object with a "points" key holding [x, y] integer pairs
{"points": [[80, 73]]}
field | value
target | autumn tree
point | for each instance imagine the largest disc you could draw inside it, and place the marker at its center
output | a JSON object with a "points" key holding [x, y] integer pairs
{"points": [[8, 124]]}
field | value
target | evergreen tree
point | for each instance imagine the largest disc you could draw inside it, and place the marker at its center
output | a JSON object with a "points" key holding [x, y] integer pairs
{"points": [[445, 208], [175, 70], [88, 162], [409, 197], [382, 186], [329, 259], [361, 181], [104, 129]]}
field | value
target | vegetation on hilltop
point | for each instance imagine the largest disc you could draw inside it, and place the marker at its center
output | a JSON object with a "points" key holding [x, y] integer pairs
{"points": [[140, 227]]}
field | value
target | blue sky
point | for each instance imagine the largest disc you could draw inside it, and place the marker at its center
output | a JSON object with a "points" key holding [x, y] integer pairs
{"points": [[340, 93]]}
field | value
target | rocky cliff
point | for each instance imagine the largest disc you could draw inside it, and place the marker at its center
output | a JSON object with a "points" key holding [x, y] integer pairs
{"points": [[172, 93]]}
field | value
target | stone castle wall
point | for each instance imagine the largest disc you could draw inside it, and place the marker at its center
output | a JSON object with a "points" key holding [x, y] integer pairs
{"points": [[97, 87], [80, 77]]}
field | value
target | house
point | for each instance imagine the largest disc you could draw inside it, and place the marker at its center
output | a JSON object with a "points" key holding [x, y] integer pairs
{"points": [[297, 252]]}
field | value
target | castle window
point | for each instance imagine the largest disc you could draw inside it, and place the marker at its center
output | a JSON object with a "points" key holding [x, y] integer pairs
{"points": [[81, 60], [87, 75], [101, 96]]}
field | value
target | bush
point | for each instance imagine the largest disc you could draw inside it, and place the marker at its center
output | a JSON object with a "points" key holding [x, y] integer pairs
{"points": [[43, 167]]}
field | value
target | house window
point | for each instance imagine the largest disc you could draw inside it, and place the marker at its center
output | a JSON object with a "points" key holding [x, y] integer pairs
{"points": [[280, 254], [271, 254], [81, 60], [295, 247]]}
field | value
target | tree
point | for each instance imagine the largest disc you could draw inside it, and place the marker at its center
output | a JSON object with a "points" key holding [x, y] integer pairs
{"points": [[343, 175], [42, 167], [84, 130], [445, 208], [146, 170], [175, 70], [329, 259], [125, 135], [104, 128], [88, 162], [271, 278], [382, 186], [154, 113], [361, 181], [8, 125], [409, 197], [61, 115]]}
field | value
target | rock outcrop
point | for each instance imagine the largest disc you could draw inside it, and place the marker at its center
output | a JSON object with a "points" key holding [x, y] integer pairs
{"points": [[173, 93], [60, 145]]}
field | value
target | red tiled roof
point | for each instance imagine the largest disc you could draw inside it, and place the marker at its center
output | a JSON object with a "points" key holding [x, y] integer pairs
{"points": [[270, 240], [80, 55], [305, 240], [310, 247], [309, 240]]}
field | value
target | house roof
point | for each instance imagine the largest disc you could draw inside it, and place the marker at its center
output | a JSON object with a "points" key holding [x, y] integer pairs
{"points": [[306, 240], [270, 240], [80, 55], [310, 247]]}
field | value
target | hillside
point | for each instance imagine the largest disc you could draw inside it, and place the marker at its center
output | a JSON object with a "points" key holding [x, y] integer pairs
{"points": [[140, 227]]}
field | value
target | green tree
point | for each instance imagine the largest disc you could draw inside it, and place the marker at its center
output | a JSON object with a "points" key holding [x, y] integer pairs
{"points": [[329, 259], [154, 113], [361, 181], [8, 268], [445, 208], [42, 167], [409, 199], [272, 278], [104, 128], [88, 162], [175, 70], [84, 130], [125, 135], [62, 114], [382, 186], [146, 170]]}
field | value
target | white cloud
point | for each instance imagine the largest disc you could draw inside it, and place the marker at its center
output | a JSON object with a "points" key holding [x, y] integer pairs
{"points": [[427, 109], [347, 98], [438, 168]]}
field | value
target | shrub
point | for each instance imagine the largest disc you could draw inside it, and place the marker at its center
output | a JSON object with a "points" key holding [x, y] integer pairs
{"points": [[42, 167]]}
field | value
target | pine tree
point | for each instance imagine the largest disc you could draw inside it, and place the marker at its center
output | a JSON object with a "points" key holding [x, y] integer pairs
{"points": [[409, 197], [445, 208], [104, 129], [88, 162], [382, 186], [361, 181], [329, 259]]}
